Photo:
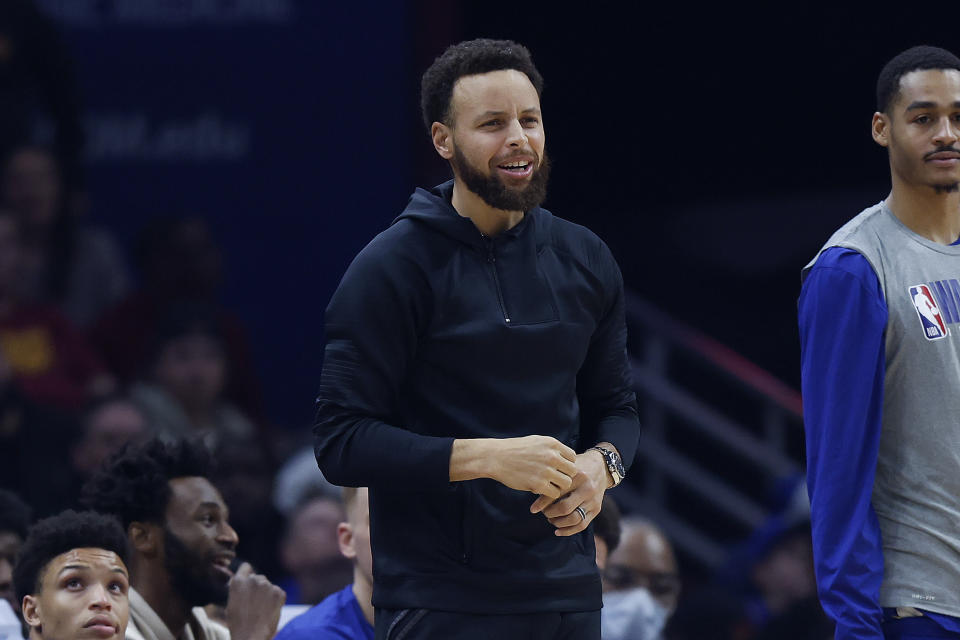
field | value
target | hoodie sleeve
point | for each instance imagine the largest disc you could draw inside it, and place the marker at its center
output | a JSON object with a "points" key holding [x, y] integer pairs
{"points": [[372, 326], [608, 404], [843, 318]]}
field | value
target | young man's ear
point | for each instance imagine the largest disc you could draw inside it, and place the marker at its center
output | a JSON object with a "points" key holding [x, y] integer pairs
{"points": [[30, 609], [442, 139], [880, 128], [145, 538], [345, 539]]}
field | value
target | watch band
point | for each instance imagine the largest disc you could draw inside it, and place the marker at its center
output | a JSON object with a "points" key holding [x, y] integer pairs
{"points": [[614, 464]]}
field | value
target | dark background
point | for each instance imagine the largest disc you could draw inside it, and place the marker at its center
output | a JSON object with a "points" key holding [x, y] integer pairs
{"points": [[713, 148]]}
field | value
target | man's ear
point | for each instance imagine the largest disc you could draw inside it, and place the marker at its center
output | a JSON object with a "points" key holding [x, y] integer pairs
{"points": [[442, 138], [30, 609], [146, 538], [345, 539], [880, 128]]}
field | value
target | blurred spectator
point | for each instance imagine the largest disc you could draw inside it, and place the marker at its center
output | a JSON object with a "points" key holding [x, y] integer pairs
{"points": [[107, 425], [712, 613], [182, 394], [38, 94], [774, 571], [183, 546], [298, 478], [40, 351], [77, 268], [310, 551], [348, 613], [244, 475], [606, 531], [179, 263], [14, 523], [641, 584]]}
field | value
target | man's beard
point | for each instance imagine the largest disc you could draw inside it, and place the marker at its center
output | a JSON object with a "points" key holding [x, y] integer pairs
{"points": [[192, 574], [498, 195], [946, 188]]}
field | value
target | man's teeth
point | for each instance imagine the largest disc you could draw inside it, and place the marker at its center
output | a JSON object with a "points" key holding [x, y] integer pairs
{"points": [[514, 165]]}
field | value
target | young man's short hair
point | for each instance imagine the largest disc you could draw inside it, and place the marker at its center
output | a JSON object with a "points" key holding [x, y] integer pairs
{"points": [[919, 58], [466, 59], [58, 534], [134, 484]]}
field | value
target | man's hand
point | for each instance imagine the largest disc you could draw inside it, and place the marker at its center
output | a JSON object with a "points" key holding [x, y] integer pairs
{"points": [[253, 605], [589, 485], [538, 464]]}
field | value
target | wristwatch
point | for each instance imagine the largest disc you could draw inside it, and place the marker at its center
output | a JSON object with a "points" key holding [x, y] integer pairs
{"points": [[614, 464]]}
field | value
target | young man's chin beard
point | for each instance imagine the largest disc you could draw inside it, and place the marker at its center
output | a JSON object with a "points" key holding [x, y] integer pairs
{"points": [[946, 188], [498, 195]]}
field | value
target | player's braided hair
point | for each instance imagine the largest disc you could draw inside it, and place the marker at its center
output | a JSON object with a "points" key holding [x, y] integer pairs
{"points": [[919, 58], [469, 58]]}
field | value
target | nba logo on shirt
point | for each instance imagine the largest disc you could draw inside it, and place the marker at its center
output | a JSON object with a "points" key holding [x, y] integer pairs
{"points": [[934, 327]]}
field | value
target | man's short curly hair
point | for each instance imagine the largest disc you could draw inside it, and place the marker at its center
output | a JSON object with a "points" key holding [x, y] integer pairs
{"points": [[58, 534], [15, 515], [134, 484], [919, 58], [467, 59]]}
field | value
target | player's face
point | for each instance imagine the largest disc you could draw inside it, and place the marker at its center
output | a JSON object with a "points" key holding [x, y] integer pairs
{"points": [[498, 139], [922, 131], [83, 595], [199, 542]]}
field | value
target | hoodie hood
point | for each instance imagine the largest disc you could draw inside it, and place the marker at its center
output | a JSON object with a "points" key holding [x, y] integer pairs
{"points": [[433, 208]]}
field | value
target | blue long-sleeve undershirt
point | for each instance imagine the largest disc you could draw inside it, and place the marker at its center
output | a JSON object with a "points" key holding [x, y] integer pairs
{"points": [[843, 317]]}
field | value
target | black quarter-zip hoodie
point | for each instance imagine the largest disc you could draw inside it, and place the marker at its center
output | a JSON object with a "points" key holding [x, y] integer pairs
{"points": [[437, 332]]}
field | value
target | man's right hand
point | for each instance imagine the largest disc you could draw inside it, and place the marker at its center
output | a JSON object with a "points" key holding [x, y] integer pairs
{"points": [[253, 605], [538, 464]]}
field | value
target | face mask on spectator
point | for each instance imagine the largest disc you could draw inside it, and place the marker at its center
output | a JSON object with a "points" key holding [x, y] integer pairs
{"points": [[632, 614]]}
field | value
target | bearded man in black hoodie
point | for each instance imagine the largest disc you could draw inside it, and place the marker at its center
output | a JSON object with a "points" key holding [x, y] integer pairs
{"points": [[475, 378]]}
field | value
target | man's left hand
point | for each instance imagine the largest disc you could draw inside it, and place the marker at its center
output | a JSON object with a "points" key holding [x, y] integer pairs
{"points": [[587, 491]]}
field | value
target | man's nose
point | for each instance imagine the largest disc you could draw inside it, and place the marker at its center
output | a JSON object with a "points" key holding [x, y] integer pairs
{"points": [[100, 597], [516, 135], [947, 132]]}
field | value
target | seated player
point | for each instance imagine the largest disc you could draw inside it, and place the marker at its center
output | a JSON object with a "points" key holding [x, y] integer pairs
{"points": [[182, 546], [71, 578], [348, 613]]}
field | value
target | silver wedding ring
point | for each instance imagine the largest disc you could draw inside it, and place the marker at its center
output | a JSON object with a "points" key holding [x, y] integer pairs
{"points": [[583, 514]]}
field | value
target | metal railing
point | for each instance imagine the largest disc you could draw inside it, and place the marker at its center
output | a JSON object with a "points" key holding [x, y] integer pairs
{"points": [[667, 464]]}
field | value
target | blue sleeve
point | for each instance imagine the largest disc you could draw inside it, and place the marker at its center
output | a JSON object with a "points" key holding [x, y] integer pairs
{"points": [[843, 317]]}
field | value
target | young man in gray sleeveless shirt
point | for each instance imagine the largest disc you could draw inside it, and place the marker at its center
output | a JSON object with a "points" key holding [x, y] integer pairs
{"points": [[880, 355]]}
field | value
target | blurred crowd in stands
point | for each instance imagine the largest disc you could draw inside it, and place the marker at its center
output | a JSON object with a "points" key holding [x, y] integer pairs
{"points": [[103, 346]]}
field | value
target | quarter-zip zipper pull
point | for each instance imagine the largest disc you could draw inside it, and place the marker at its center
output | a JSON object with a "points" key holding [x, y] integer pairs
{"points": [[491, 260]]}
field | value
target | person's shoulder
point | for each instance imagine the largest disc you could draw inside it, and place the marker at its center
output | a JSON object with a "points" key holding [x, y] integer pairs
{"points": [[325, 618], [212, 630], [571, 238]]}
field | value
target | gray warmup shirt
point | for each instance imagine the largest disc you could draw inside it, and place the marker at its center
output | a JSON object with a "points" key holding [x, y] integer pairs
{"points": [[916, 494]]}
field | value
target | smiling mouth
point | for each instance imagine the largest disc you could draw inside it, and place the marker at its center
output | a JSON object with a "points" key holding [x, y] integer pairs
{"points": [[222, 565], [519, 166]]}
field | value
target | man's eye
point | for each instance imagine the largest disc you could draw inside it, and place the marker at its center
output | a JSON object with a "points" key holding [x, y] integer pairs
{"points": [[73, 583], [118, 587], [531, 121], [491, 123], [922, 119]]}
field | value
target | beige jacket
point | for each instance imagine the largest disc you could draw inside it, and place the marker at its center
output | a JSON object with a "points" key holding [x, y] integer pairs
{"points": [[145, 624]]}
